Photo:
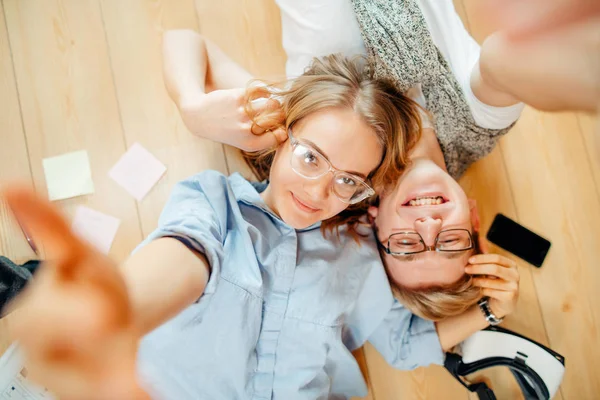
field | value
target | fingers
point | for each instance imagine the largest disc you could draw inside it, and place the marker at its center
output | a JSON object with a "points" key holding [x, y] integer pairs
{"points": [[496, 284], [266, 112], [263, 114], [502, 296], [265, 104], [492, 259], [502, 272], [507, 274], [268, 140], [256, 129], [254, 100], [256, 91], [70, 317], [67, 335], [89, 380], [70, 381], [66, 254], [280, 135], [46, 225]]}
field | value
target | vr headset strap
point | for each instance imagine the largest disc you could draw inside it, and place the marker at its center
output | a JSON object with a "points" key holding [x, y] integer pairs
{"points": [[453, 363], [529, 392]]}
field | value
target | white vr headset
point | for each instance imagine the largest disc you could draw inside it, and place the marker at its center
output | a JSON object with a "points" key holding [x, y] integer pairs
{"points": [[537, 369]]}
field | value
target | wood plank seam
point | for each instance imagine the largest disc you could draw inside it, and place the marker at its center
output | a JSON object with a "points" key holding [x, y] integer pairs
{"points": [[534, 281], [14, 73], [587, 155], [529, 271], [196, 15], [368, 373], [112, 76]]}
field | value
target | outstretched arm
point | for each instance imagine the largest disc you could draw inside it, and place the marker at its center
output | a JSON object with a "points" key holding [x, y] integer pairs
{"points": [[546, 53], [79, 321]]}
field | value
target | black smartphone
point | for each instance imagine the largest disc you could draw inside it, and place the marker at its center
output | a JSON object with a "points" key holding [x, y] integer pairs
{"points": [[518, 240]]}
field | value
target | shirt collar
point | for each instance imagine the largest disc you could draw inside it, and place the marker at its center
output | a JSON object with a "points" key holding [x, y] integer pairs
{"points": [[249, 193]]}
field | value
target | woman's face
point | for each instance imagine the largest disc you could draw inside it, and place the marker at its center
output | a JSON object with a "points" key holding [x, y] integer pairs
{"points": [[426, 200], [346, 141]]}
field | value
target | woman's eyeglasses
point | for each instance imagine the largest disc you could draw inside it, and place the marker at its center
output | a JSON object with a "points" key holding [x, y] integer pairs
{"points": [[309, 163]]}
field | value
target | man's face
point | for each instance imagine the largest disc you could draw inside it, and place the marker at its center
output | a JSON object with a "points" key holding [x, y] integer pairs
{"points": [[426, 200]]}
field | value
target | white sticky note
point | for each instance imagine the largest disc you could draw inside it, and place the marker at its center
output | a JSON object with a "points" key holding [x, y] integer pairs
{"points": [[68, 175], [97, 228], [137, 171]]}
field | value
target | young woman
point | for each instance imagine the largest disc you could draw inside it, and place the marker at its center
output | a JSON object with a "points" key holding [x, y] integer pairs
{"points": [[242, 293]]}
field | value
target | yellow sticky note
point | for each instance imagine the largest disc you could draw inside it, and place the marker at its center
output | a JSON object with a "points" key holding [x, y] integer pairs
{"points": [[68, 175]]}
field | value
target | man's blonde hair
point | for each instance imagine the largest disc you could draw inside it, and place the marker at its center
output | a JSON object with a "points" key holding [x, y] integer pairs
{"points": [[338, 82]]}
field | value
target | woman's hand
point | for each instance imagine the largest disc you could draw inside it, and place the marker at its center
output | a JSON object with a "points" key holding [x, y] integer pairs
{"points": [[498, 277], [193, 66], [221, 116], [74, 324]]}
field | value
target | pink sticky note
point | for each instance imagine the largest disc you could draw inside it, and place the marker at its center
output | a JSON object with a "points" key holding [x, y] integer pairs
{"points": [[97, 228], [137, 171]]}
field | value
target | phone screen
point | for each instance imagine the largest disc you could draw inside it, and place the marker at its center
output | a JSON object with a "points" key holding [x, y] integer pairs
{"points": [[518, 240]]}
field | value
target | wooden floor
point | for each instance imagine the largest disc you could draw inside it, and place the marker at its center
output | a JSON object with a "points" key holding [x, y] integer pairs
{"points": [[86, 74]]}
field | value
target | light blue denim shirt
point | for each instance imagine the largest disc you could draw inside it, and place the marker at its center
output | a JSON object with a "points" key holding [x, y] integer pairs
{"points": [[282, 309]]}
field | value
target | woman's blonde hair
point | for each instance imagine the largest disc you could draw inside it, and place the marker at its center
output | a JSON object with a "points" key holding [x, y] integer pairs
{"points": [[439, 302], [338, 82]]}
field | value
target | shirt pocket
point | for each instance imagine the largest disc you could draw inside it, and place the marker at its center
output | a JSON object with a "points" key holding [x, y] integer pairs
{"points": [[324, 293]]}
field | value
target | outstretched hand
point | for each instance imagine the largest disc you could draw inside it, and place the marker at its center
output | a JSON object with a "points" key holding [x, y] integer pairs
{"points": [[75, 323]]}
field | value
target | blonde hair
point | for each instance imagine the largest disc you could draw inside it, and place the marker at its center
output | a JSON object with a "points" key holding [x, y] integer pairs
{"points": [[438, 302], [336, 81]]}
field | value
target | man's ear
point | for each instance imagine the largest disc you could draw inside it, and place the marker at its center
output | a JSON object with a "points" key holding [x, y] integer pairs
{"points": [[475, 223], [373, 212]]}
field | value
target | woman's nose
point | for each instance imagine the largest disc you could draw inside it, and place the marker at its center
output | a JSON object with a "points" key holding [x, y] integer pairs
{"points": [[318, 189], [428, 228]]}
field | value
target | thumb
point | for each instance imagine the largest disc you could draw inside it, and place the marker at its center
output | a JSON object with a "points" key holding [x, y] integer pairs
{"points": [[280, 134], [46, 225], [268, 111]]}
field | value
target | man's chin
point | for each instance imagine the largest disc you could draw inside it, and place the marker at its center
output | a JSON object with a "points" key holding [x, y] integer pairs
{"points": [[425, 169]]}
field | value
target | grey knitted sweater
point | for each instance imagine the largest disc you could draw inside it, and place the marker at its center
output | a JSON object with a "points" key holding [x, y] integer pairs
{"points": [[401, 48]]}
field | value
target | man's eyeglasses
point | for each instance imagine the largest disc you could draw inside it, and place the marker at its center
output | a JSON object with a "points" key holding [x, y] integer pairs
{"points": [[309, 163], [406, 243]]}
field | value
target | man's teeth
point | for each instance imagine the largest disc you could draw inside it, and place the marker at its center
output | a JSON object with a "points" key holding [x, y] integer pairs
{"points": [[426, 201]]}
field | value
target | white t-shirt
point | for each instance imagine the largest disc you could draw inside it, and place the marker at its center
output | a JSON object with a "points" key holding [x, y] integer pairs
{"points": [[320, 27]]}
